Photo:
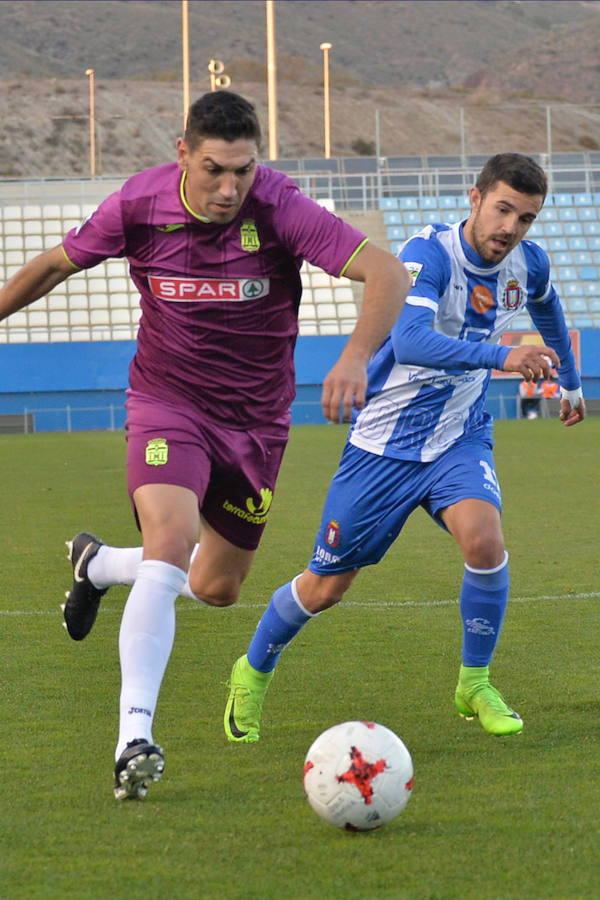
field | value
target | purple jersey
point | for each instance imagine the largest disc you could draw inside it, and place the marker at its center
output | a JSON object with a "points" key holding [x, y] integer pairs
{"points": [[219, 302]]}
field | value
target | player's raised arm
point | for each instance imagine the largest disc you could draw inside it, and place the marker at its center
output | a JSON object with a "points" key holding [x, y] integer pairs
{"points": [[36, 279], [387, 283]]}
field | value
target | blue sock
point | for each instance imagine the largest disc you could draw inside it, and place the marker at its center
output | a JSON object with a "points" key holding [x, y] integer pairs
{"points": [[483, 602], [281, 621]]}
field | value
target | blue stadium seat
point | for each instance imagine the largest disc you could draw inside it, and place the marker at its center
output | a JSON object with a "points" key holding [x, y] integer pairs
{"points": [[591, 289], [567, 214], [553, 229], [408, 203], [388, 203], [392, 218], [572, 289], [596, 257], [588, 273], [563, 258], [594, 304], [543, 243], [563, 200], [572, 228], [428, 203], [411, 217], [591, 227], [596, 199], [583, 321], [578, 242], [548, 214], [396, 246], [536, 229], [567, 273], [447, 201], [582, 199], [451, 216], [558, 243], [583, 258], [396, 233], [463, 202], [593, 242], [587, 213], [577, 305], [430, 216]]}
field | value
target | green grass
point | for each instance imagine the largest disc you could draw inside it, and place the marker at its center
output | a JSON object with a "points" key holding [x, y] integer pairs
{"points": [[489, 818]]}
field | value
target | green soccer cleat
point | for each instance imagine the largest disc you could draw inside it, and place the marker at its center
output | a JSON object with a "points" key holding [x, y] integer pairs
{"points": [[244, 704], [475, 696]]}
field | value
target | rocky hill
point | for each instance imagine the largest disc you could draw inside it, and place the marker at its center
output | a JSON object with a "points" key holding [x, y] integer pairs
{"points": [[404, 76]]}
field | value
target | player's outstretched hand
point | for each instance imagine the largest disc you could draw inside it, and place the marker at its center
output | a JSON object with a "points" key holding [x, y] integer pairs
{"points": [[344, 387], [532, 361]]}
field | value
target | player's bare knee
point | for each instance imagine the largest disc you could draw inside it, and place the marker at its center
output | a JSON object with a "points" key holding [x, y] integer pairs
{"points": [[483, 550], [215, 594]]}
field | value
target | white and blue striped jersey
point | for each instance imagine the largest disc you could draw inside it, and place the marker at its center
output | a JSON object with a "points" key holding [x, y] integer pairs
{"points": [[427, 382]]}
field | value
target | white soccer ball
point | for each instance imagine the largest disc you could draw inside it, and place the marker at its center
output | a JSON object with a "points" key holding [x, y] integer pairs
{"points": [[358, 775]]}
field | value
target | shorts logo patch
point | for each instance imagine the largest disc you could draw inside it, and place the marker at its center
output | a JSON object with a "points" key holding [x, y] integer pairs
{"points": [[332, 534], [249, 236], [255, 513], [157, 452]]}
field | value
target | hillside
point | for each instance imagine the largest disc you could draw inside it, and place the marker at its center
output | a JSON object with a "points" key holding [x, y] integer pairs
{"points": [[417, 63]]}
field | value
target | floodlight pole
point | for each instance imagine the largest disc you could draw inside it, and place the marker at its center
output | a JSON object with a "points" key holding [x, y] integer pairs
{"points": [[90, 74], [326, 47], [185, 55], [271, 80]]}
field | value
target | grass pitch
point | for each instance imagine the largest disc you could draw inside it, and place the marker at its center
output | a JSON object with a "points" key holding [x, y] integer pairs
{"points": [[489, 819]]}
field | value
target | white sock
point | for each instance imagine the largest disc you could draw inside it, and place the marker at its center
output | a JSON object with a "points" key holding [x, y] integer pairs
{"points": [[145, 643], [114, 565], [119, 565]]}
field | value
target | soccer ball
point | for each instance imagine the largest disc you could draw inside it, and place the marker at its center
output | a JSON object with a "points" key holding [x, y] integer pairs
{"points": [[358, 775]]}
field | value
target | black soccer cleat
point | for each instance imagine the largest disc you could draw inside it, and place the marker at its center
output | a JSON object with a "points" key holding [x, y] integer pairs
{"points": [[83, 599], [139, 764]]}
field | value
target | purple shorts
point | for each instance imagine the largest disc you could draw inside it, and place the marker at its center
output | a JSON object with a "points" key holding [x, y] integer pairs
{"points": [[233, 473]]}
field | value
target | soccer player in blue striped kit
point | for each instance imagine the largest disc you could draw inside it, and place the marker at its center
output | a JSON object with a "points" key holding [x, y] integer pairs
{"points": [[423, 437]]}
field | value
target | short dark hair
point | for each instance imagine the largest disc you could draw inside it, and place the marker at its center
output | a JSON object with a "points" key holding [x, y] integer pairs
{"points": [[222, 114], [521, 172]]}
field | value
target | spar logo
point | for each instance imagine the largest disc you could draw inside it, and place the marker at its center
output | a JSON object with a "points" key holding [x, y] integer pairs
{"points": [[194, 290]]}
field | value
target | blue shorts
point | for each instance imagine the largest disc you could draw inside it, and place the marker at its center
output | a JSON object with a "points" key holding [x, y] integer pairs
{"points": [[232, 472], [371, 497]]}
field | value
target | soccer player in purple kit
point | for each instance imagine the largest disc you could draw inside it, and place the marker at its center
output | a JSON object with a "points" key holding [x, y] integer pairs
{"points": [[215, 243]]}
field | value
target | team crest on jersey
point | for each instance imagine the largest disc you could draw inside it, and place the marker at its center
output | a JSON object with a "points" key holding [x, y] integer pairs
{"points": [[511, 298], [482, 299], [414, 270], [157, 452], [249, 236], [332, 534]]}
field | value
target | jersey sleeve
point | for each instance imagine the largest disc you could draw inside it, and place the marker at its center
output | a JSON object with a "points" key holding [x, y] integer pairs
{"points": [[99, 237], [547, 315], [414, 339], [311, 232]]}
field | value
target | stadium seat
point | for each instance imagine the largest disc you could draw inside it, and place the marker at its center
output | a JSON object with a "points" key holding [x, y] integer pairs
{"points": [[591, 289], [563, 200], [392, 218], [408, 203], [431, 216], [567, 273], [571, 289], [388, 203], [582, 258], [451, 216], [563, 258], [567, 214], [548, 214], [587, 214], [553, 229], [463, 202], [558, 243], [583, 321], [428, 202], [591, 227], [396, 233], [536, 229], [447, 201], [396, 246], [594, 304], [576, 305], [577, 243], [572, 228], [582, 199], [588, 273], [593, 242], [412, 217]]}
